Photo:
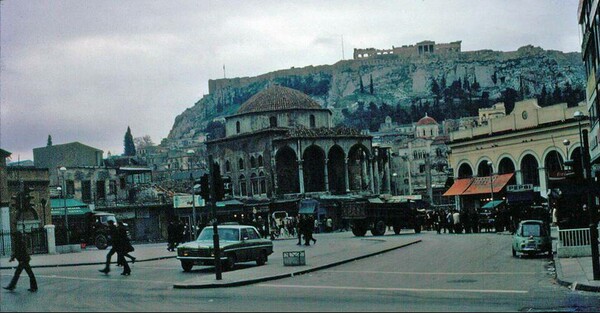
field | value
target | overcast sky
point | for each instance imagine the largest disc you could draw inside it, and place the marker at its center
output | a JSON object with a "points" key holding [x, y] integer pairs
{"points": [[86, 70]]}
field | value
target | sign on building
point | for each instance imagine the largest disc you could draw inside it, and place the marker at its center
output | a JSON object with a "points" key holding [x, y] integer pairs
{"points": [[518, 188], [180, 202]]}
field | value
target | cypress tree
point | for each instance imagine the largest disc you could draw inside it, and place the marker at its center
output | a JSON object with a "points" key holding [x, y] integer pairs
{"points": [[128, 143], [49, 143], [371, 84]]}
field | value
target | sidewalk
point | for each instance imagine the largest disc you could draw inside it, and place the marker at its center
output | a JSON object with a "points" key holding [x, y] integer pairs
{"points": [[575, 273]]}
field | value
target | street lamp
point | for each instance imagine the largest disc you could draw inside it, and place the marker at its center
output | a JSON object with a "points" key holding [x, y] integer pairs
{"points": [[489, 163], [586, 169], [62, 170], [190, 153]]}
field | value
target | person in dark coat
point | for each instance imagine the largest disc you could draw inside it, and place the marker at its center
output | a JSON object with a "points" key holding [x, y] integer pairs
{"points": [[171, 236], [116, 245], [127, 247], [20, 253], [123, 249], [308, 231]]}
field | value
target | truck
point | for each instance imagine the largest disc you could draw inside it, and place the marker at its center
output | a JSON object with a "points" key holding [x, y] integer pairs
{"points": [[363, 216], [91, 228]]}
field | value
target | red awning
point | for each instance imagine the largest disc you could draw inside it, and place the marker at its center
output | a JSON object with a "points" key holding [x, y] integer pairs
{"points": [[459, 186], [481, 185]]}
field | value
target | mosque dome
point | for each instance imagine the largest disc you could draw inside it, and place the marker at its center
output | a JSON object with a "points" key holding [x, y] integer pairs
{"points": [[426, 121], [276, 98]]}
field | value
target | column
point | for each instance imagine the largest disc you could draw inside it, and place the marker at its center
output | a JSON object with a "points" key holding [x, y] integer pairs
{"points": [[543, 181], [388, 176], [326, 175], [274, 176], [519, 177], [50, 238], [301, 175], [346, 181], [377, 178], [363, 173], [371, 180]]}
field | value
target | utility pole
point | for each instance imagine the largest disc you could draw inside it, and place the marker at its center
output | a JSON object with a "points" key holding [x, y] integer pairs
{"points": [[213, 204], [590, 206]]}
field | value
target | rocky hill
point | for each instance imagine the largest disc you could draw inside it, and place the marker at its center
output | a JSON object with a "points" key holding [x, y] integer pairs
{"points": [[396, 81]]}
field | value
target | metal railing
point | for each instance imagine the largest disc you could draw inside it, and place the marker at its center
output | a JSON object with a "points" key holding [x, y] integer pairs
{"points": [[577, 237]]}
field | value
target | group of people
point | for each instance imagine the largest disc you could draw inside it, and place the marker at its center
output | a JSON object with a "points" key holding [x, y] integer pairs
{"points": [[305, 229], [176, 234], [121, 246]]}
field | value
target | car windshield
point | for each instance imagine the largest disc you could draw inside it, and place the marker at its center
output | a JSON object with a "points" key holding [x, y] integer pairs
{"points": [[225, 234], [531, 230]]}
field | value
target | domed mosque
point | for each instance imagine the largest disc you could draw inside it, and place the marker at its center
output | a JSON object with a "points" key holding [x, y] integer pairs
{"points": [[281, 143]]}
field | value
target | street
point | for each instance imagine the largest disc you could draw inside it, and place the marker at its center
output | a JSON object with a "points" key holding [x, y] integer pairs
{"points": [[446, 272]]}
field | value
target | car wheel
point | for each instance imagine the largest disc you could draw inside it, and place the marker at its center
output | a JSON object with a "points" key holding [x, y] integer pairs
{"points": [[514, 253], [397, 230], [101, 242], [379, 229], [187, 266], [358, 230], [261, 259], [417, 229]]}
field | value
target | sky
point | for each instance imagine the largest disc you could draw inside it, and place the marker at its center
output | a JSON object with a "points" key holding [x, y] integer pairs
{"points": [[86, 70]]}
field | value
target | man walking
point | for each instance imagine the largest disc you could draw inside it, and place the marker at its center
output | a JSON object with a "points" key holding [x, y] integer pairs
{"points": [[20, 253], [116, 245]]}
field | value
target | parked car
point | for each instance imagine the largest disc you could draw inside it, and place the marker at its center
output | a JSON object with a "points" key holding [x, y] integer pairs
{"points": [[238, 243], [532, 237]]}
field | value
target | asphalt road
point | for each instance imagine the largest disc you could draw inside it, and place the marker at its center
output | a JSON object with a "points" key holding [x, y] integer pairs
{"points": [[469, 272]]}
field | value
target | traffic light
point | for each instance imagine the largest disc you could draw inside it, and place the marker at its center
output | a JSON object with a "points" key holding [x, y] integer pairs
{"points": [[28, 200], [204, 188]]}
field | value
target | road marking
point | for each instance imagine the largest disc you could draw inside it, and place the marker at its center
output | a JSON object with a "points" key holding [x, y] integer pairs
{"points": [[435, 273], [100, 279], [395, 289]]}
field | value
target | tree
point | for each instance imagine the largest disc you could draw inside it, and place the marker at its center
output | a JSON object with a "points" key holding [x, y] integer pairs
{"points": [[128, 143], [142, 142], [543, 98], [49, 143], [371, 84], [362, 87]]}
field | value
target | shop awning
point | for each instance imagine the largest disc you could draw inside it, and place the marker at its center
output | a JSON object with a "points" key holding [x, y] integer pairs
{"points": [[74, 207], [481, 185], [492, 204], [459, 186]]}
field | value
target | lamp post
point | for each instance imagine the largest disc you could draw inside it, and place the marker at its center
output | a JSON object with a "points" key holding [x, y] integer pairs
{"points": [[62, 170], [191, 168], [489, 163], [587, 169]]}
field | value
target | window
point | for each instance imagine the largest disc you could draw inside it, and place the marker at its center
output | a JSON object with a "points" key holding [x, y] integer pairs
{"points": [[237, 127], [252, 162], [243, 190], [313, 123], [227, 166], [273, 121], [260, 161], [100, 190], [86, 191], [241, 164]]}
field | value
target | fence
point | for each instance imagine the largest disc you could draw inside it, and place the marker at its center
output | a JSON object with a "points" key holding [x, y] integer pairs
{"points": [[574, 242], [35, 239]]}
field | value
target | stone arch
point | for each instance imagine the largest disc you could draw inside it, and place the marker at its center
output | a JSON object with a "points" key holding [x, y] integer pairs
{"points": [[506, 165], [529, 169], [243, 189], [314, 168], [358, 166], [465, 170], [336, 170], [553, 162], [576, 157], [286, 165], [483, 168]]}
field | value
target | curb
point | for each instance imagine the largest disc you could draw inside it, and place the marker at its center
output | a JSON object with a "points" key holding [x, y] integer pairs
{"points": [[280, 276], [572, 285], [88, 263]]}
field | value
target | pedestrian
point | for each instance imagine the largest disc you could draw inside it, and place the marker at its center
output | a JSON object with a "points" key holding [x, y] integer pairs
{"points": [[457, 224], [308, 230], [171, 233], [123, 248], [329, 224], [127, 247], [114, 235], [20, 253], [300, 228]]}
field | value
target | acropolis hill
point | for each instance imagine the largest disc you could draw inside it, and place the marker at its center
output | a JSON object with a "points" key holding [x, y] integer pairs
{"points": [[398, 76]]}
